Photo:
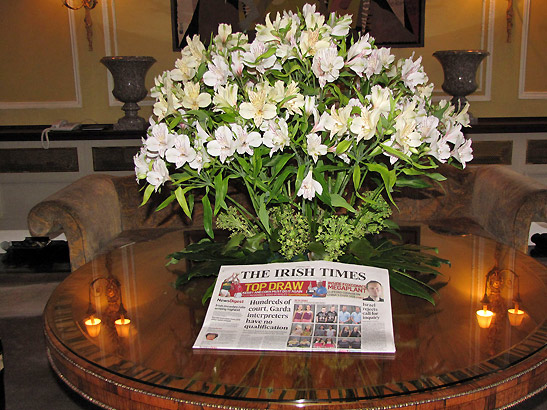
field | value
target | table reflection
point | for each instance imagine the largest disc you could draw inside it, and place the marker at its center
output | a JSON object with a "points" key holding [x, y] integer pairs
{"points": [[436, 345]]}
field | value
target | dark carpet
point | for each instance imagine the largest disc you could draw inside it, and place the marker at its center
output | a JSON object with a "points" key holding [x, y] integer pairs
{"points": [[30, 383]]}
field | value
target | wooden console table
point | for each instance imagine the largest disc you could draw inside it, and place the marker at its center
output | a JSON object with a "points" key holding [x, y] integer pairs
{"points": [[443, 358]]}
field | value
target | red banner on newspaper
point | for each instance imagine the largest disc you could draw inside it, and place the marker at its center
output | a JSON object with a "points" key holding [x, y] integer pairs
{"points": [[278, 288]]}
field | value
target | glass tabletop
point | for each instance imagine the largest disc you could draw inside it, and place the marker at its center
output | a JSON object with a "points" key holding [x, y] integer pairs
{"points": [[436, 345]]}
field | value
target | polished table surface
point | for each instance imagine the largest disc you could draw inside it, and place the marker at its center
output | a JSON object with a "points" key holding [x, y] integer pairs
{"points": [[443, 359]]}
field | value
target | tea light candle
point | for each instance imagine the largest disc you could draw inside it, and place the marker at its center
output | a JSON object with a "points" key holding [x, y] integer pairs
{"points": [[122, 327], [93, 326], [484, 318], [515, 316]]}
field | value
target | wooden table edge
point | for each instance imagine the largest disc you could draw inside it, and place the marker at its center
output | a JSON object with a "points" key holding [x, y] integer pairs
{"points": [[105, 389]]}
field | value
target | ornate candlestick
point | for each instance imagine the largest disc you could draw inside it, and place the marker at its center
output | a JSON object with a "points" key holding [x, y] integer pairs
{"points": [[129, 73]]}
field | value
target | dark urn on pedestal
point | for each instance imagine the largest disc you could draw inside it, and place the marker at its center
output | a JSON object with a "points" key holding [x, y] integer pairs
{"points": [[460, 70], [129, 73]]}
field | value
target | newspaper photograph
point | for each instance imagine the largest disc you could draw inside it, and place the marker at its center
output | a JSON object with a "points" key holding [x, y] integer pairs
{"points": [[313, 306]]}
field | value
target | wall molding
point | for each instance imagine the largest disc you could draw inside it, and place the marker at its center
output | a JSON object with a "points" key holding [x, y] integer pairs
{"points": [[77, 102], [486, 43], [523, 94], [111, 49]]}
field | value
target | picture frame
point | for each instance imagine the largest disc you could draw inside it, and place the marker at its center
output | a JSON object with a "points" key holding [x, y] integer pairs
{"points": [[393, 23]]}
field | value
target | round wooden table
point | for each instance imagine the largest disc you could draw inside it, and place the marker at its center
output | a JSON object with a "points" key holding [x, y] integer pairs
{"points": [[443, 359]]}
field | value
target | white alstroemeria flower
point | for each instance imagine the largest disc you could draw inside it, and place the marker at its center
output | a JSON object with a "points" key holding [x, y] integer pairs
{"points": [[341, 27], [309, 187], [276, 135], [412, 73], [224, 39], [160, 107], [313, 20], [462, 117], [226, 97], [158, 90], [250, 58], [405, 133], [158, 175], [258, 109], [319, 121], [310, 105], [326, 65], [314, 146], [454, 134], [311, 43], [185, 69], [192, 99], [425, 91], [224, 145], [337, 121], [200, 161], [195, 48], [277, 92], [357, 53], [361, 48], [201, 136], [181, 153], [266, 32], [296, 102], [440, 150], [427, 125], [364, 126], [463, 153], [246, 141], [381, 100], [218, 73], [377, 60], [142, 164], [159, 141], [237, 65]]}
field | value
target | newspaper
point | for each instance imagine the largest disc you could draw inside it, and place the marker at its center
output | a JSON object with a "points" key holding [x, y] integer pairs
{"points": [[316, 305]]}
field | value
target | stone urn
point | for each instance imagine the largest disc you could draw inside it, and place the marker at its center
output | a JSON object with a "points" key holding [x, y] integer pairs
{"points": [[460, 70], [129, 73]]}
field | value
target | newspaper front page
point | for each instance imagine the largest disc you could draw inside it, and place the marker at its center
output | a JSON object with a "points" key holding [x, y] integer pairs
{"points": [[316, 305]]}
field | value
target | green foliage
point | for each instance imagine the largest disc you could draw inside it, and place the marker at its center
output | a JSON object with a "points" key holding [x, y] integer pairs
{"points": [[232, 220], [293, 231]]}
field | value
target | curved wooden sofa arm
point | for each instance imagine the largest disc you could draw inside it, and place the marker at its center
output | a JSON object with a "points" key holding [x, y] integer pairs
{"points": [[86, 211], [505, 203]]}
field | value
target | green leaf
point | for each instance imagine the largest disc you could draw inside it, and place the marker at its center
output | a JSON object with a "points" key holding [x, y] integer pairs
{"points": [[147, 193], [412, 183], [408, 286], [270, 52], [436, 176], [229, 118], [356, 177], [181, 199], [221, 189], [208, 293], [167, 201], [207, 216], [299, 176], [339, 201], [388, 176], [343, 146], [264, 217], [254, 243]]}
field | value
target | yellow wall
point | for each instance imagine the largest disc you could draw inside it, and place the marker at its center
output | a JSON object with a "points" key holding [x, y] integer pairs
{"points": [[47, 72]]}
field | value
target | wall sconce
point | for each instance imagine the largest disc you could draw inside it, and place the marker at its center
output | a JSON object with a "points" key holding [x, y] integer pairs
{"points": [[114, 297], [87, 5], [484, 316]]}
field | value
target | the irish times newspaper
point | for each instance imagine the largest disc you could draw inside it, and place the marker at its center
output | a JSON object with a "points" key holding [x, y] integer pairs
{"points": [[318, 306]]}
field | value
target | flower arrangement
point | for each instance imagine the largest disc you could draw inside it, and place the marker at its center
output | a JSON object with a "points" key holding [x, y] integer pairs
{"points": [[317, 129]]}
